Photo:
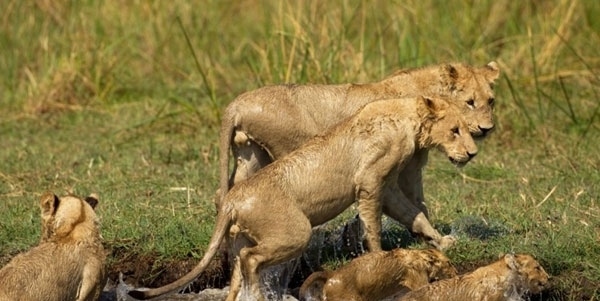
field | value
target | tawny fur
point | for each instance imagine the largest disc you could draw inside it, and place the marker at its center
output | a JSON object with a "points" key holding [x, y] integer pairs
{"points": [[507, 279], [270, 216], [68, 264], [270, 122], [377, 275]]}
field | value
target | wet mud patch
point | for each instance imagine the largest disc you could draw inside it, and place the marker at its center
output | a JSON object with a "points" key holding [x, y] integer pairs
{"points": [[328, 245], [153, 271], [149, 271]]}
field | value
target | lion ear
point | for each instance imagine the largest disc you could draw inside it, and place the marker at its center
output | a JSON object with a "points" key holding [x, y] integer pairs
{"points": [[511, 262], [432, 257], [92, 199], [450, 77], [48, 204], [492, 71], [435, 106]]}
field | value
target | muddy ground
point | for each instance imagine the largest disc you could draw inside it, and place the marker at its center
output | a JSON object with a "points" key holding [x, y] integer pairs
{"points": [[148, 271], [140, 272]]}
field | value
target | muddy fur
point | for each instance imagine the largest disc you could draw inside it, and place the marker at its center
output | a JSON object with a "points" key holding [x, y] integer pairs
{"points": [[507, 279], [377, 275]]}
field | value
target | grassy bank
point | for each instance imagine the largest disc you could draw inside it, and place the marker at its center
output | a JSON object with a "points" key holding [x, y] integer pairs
{"points": [[124, 99]]}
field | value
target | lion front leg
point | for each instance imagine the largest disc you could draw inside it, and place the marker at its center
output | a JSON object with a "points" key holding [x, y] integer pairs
{"points": [[93, 280], [410, 180], [369, 212], [397, 206]]}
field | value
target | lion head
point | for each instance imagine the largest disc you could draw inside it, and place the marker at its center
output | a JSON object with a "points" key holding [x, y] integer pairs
{"points": [[530, 274], [437, 265], [448, 130], [472, 89], [68, 217]]}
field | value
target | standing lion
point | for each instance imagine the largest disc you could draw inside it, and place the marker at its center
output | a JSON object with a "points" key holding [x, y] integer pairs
{"points": [[268, 219], [268, 123], [68, 264]]}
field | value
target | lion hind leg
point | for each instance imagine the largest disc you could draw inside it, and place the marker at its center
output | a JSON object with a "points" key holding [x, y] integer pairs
{"points": [[285, 242], [236, 280]]}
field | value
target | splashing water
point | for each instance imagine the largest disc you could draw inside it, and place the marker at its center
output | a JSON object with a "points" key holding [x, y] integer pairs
{"points": [[330, 241], [479, 228]]}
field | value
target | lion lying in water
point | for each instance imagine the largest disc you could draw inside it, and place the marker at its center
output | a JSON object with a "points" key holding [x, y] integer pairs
{"points": [[507, 279], [376, 275], [68, 264], [266, 124], [270, 216]]}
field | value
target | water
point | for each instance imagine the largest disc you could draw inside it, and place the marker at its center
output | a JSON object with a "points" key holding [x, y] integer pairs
{"points": [[330, 242], [476, 227]]}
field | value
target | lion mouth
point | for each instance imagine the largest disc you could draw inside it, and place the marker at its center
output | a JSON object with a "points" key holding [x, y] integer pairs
{"points": [[480, 133], [459, 163]]}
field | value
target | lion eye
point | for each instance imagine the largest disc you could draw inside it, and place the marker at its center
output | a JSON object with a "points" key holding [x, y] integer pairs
{"points": [[491, 101], [471, 102], [455, 131]]}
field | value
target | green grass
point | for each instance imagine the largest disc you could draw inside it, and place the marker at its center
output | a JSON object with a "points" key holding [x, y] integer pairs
{"points": [[124, 99]]}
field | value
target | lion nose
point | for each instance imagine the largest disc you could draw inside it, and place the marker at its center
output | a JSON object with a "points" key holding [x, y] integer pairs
{"points": [[471, 155], [485, 130]]}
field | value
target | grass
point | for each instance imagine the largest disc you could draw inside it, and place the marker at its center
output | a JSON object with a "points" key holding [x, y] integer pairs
{"points": [[124, 99]]}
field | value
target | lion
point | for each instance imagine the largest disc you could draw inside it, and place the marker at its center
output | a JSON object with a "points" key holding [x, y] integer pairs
{"points": [[270, 216], [266, 124], [377, 275], [69, 261], [507, 279]]}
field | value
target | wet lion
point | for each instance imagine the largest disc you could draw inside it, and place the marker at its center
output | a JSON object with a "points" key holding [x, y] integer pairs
{"points": [[266, 124], [507, 279], [377, 275], [269, 217]]}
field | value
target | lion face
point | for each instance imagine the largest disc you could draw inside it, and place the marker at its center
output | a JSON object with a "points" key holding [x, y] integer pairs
{"points": [[450, 133], [532, 273], [471, 89]]}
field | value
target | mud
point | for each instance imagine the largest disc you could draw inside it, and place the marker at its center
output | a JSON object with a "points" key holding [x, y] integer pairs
{"points": [[151, 271]]}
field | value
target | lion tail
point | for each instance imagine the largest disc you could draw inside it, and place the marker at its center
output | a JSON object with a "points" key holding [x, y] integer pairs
{"points": [[228, 124], [312, 288], [222, 226]]}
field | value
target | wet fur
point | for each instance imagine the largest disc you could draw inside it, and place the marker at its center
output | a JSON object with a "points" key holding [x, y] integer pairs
{"points": [[269, 217], [507, 279], [265, 124], [377, 275]]}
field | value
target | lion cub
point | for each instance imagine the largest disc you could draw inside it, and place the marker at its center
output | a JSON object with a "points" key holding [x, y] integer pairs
{"points": [[504, 280], [376, 275], [68, 264]]}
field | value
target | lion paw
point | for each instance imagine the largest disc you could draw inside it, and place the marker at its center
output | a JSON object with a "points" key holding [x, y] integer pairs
{"points": [[444, 243]]}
